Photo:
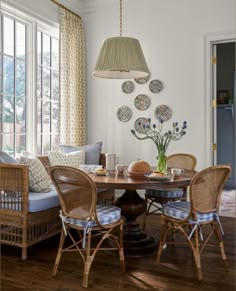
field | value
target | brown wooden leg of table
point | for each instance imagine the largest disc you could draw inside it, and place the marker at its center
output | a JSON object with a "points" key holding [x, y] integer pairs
{"points": [[136, 242]]}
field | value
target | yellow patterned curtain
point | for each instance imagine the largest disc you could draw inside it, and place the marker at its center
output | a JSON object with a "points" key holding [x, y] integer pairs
{"points": [[72, 80]]}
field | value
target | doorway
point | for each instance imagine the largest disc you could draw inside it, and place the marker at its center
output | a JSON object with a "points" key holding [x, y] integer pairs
{"points": [[223, 94]]}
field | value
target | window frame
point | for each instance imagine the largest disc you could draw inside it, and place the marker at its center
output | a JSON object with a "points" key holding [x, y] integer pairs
{"points": [[34, 23], [46, 135]]}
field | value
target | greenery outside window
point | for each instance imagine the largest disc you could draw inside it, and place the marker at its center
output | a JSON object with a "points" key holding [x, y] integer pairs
{"points": [[13, 85], [29, 84], [47, 92]]}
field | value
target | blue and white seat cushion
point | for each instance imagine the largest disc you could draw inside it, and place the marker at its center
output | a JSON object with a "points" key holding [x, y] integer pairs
{"points": [[166, 193], [181, 210], [106, 214]]}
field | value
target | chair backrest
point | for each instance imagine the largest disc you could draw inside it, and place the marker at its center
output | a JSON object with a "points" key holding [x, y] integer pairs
{"points": [[206, 188], [77, 192], [182, 160]]}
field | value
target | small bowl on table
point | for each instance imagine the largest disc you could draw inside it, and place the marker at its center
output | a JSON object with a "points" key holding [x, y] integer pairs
{"points": [[101, 172]]}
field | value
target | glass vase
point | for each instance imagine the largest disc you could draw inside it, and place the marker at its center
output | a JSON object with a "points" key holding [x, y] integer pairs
{"points": [[161, 162]]}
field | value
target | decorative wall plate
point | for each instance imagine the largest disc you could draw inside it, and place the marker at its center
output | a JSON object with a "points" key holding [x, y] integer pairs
{"points": [[155, 86], [142, 102], [163, 112], [124, 113], [128, 87], [139, 124], [142, 80]]}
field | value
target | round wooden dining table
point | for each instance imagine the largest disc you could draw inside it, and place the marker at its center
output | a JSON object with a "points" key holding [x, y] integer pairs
{"points": [[136, 242]]}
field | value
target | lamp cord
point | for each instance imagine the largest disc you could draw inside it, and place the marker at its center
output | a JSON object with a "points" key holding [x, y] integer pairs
{"points": [[120, 17]]}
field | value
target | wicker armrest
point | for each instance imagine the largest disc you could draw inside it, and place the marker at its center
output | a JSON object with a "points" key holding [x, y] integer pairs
{"points": [[14, 187]]}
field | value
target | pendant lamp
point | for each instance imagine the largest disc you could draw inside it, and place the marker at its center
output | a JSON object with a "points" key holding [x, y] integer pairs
{"points": [[121, 58]]}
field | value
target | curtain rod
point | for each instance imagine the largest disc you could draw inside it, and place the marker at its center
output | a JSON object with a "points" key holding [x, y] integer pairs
{"points": [[64, 7]]}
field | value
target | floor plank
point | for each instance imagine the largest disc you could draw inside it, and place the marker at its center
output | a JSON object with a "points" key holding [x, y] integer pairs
{"points": [[176, 271]]}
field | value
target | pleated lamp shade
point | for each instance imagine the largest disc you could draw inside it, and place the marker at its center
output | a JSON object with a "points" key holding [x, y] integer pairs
{"points": [[121, 58]]}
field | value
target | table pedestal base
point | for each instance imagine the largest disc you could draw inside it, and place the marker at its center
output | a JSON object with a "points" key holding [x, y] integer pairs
{"points": [[136, 242]]}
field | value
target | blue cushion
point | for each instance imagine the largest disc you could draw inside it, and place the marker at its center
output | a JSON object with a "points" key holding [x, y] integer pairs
{"points": [[181, 210], [38, 201], [5, 158], [106, 214], [166, 193], [92, 152]]}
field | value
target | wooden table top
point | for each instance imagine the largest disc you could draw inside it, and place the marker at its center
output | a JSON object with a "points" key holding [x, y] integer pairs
{"points": [[123, 181]]}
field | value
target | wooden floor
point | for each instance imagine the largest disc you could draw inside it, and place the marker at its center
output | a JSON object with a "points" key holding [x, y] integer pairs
{"points": [[176, 271]]}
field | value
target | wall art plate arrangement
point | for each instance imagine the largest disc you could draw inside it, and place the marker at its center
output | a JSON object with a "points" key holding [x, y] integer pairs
{"points": [[155, 86], [124, 113], [142, 80], [128, 87], [140, 123], [163, 112], [142, 102]]}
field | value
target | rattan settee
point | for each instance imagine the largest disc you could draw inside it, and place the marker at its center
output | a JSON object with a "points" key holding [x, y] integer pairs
{"points": [[22, 228]]}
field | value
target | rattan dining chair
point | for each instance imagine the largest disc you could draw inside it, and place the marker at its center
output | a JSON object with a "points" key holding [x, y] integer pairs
{"points": [[155, 199], [189, 217], [80, 214]]}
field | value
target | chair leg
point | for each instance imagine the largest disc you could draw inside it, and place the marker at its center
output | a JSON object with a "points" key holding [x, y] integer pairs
{"points": [[24, 253], [172, 232], [163, 235], [59, 253], [121, 249], [87, 266], [88, 261], [196, 254], [146, 213], [220, 240]]}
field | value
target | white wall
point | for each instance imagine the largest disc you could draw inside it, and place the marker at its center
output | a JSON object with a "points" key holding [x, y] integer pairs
{"points": [[172, 35]]}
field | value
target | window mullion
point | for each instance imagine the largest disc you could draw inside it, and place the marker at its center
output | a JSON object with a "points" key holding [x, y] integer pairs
{"points": [[14, 91], [51, 93], [30, 83]]}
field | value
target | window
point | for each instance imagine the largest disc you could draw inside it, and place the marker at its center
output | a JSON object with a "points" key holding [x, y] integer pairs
{"points": [[29, 83], [13, 85], [47, 92]]}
